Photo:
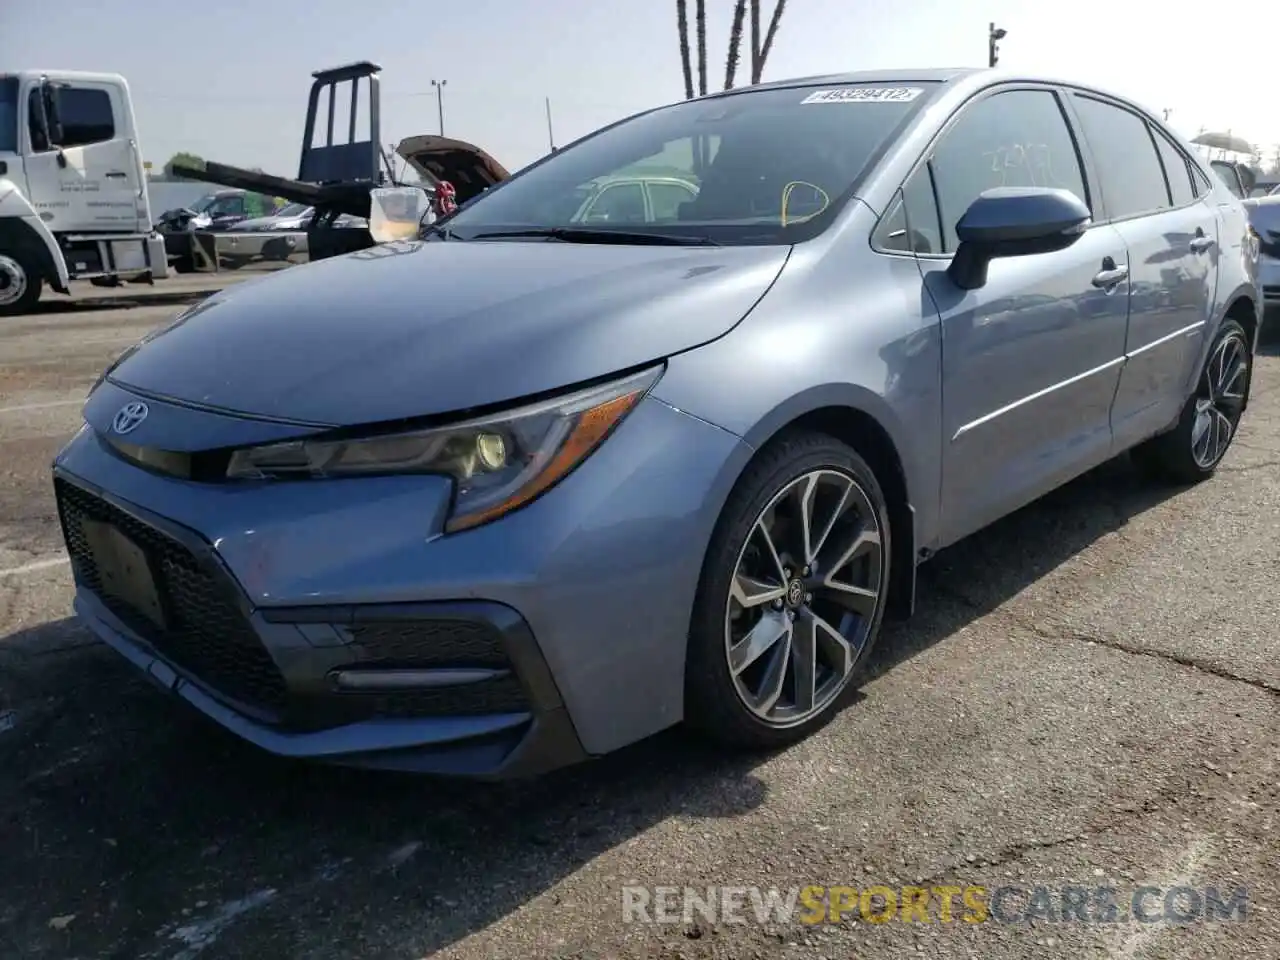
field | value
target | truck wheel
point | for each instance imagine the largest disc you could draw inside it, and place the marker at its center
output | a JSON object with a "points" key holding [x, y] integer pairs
{"points": [[20, 283]]}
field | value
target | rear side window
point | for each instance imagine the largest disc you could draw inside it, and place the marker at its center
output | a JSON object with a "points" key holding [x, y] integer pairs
{"points": [[1128, 165], [1018, 138], [1176, 169]]}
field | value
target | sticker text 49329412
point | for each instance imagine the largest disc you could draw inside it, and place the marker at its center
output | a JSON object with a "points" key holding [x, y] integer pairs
{"points": [[864, 95]]}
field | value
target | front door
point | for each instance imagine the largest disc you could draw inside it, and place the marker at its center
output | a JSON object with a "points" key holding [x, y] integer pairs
{"points": [[90, 181], [1030, 360], [1172, 237]]}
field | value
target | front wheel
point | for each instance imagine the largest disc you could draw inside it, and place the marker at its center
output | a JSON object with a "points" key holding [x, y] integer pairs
{"points": [[791, 596], [1192, 450], [20, 283]]}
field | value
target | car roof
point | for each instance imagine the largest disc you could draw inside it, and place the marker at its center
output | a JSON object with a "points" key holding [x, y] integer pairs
{"points": [[968, 78], [920, 75]]}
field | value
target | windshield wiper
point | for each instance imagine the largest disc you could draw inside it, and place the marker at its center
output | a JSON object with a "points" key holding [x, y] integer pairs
{"points": [[584, 235]]}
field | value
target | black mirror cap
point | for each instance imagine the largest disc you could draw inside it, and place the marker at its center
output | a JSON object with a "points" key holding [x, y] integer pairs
{"points": [[1014, 222]]}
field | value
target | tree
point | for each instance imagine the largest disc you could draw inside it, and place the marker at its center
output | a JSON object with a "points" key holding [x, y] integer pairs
{"points": [[182, 159], [759, 45], [682, 24]]}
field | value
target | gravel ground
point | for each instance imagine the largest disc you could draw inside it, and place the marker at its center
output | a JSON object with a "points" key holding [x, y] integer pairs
{"points": [[1087, 697]]}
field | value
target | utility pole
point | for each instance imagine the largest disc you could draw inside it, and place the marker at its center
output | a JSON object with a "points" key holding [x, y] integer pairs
{"points": [[994, 36], [551, 140], [1166, 111], [439, 85]]}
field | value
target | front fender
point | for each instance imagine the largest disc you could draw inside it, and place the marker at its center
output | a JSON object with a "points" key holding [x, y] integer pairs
{"points": [[21, 225]]}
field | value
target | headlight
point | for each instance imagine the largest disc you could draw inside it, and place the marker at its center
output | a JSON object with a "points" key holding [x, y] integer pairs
{"points": [[498, 462]]}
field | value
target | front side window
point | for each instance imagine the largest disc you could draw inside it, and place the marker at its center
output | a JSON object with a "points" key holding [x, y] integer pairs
{"points": [[763, 166], [85, 114], [1018, 138], [667, 197], [1128, 165]]}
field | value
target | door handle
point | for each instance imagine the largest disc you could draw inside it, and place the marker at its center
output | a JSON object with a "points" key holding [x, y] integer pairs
{"points": [[116, 173], [1201, 244], [1109, 277]]}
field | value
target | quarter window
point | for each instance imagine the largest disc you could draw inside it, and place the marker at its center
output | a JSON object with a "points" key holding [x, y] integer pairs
{"points": [[1176, 169], [1018, 138], [911, 225], [1128, 165]]}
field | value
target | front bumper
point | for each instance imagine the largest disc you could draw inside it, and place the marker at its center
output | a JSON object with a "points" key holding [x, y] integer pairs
{"points": [[268, 675], [267, 590], [1269, 279]]}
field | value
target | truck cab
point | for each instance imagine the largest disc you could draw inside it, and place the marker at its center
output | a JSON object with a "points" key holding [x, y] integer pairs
{"points": [[73, 197]]}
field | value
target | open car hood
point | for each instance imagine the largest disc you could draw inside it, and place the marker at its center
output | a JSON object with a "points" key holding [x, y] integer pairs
{"points": [[466, 166]]}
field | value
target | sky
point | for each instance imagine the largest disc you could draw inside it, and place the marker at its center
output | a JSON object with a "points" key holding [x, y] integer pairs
{"points": [[229, 81]]}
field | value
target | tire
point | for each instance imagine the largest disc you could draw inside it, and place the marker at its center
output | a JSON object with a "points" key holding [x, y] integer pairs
{"points": [[1186, 454], [20, 272], [715, 702]]}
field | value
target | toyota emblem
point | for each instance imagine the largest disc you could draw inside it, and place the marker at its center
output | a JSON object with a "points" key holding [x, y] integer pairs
{"points": [[129, 417]]}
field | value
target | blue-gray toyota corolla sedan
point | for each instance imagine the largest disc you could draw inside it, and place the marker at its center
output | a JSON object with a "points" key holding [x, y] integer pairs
{"points": [[562, 474]]}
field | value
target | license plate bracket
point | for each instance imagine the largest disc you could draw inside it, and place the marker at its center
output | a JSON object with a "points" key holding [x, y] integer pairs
{"points": [[124, 570]]}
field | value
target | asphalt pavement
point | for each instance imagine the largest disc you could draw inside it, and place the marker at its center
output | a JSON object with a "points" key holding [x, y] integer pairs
{"points": [[1088, 698]]}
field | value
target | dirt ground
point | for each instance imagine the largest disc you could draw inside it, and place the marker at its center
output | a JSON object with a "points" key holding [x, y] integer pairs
{"points": [[1089, 695]]}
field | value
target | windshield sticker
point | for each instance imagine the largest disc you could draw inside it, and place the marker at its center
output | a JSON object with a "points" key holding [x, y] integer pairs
{"points": [[864, 95]]}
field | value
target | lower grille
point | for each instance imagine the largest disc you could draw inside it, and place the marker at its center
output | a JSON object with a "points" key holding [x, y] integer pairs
{"points": [[425, 644], [1271, 291], [207, 633]]}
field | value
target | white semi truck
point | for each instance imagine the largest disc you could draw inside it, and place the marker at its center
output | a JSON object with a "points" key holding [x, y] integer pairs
{"points": [[73, 189]]}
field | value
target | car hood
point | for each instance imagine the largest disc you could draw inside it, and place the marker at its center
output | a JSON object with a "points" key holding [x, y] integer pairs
{"points": [[466, 166], [415, 328]]}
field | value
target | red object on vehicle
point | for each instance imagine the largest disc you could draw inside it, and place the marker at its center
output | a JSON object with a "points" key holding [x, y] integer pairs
{"points": [[446, 198]]}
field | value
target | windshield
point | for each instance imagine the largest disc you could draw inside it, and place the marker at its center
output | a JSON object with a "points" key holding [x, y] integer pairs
{"points": [[204, 203], [292, 210], [760, 166], [8, 115]]}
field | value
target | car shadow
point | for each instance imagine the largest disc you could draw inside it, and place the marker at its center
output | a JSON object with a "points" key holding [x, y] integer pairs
{"points": [[131, 810], [143, 297]]}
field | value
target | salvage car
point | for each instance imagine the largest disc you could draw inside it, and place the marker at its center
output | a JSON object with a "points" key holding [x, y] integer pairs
{"points": [[525, 491], [1264, 218]]}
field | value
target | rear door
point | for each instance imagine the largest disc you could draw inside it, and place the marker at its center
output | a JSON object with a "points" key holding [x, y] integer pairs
{"points": [[1030, 360], [1150, 196]]}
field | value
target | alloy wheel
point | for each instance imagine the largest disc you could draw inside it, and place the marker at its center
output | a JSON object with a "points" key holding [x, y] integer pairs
{"points": [[807, 586], [1219, 401]]}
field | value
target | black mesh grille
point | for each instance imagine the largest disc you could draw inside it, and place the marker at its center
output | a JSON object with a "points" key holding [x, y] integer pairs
{"points": [[428, 644], [431, 643], [207, 633]]}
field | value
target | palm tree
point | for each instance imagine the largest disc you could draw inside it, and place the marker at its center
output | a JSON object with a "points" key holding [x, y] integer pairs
{"points": [[682, 24], [701, 16], [758, 70], [759, 48], [735, 41]]}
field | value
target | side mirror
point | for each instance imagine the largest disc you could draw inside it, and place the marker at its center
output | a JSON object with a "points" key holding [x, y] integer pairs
{"points": [[1014, 222], [50, 100]]}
